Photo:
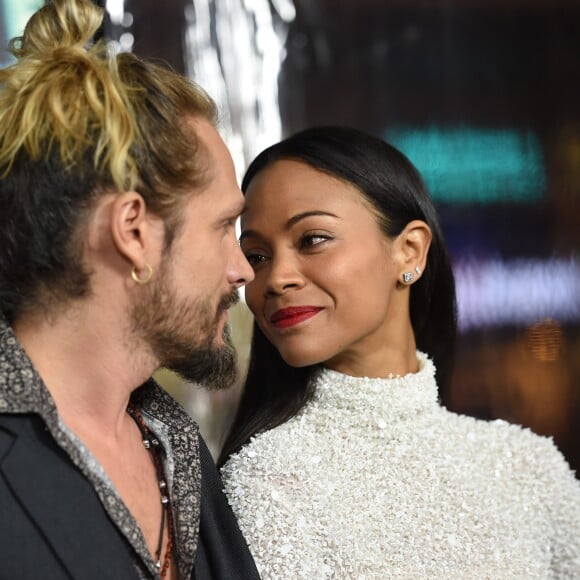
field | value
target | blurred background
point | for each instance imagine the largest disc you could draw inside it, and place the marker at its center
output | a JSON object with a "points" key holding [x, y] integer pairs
{"points": [[482, 95]]}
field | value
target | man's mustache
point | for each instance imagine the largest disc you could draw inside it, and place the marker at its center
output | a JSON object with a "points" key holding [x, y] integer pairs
{"points": [[228, 301]]}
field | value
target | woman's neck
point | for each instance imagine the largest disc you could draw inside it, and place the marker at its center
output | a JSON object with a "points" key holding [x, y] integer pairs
{"points": [[379, 358]]}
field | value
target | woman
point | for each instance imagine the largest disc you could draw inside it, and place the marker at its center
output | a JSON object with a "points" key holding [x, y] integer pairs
{"points": [[341, 463]]}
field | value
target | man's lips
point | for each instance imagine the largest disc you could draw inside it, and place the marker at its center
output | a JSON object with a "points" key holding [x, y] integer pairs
{"points": [[293, 315]]}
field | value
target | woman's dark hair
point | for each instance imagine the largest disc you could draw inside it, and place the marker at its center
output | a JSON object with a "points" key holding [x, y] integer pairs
{"points": [[274, 391]]}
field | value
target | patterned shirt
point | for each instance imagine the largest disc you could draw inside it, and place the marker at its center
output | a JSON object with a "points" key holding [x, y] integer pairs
{"points": [[23, 391]]}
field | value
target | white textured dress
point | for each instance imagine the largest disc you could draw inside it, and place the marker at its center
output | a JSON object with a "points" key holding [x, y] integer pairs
{"points": [[373, 479]]}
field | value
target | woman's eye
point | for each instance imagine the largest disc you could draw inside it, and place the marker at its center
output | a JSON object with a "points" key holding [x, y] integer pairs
{"points": [[311, 240], [255, 259]]}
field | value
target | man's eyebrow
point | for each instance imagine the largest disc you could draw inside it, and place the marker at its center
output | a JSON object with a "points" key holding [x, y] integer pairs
{"points": [[234, 211], [240, 208], [291, 222]]}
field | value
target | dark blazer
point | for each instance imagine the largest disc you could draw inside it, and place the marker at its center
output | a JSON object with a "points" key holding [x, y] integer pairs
{"points": [[52, 523], [222, 552], [53, 526]]}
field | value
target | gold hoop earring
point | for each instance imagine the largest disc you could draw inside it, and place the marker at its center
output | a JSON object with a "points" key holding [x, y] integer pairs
{"points": [[147, 277]]}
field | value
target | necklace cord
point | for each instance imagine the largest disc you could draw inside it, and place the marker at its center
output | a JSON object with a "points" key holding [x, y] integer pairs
{"points": [[151, 443]]}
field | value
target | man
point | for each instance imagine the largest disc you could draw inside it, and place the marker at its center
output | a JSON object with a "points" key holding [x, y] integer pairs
{"points": [[118, 255]]}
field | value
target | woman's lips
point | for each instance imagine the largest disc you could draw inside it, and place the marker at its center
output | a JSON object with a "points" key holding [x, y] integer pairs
{"points": [[286, 317]]}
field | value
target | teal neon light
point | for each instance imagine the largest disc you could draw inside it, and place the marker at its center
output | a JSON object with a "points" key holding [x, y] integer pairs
{"points": [[14, 15], [467, 165]]}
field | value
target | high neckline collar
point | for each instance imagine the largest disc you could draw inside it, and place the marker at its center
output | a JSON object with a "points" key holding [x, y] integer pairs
{"points": [[384, 397]]}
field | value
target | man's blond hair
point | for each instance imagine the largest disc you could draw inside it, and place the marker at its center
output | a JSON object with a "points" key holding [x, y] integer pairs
{"points": [[77, 121]]}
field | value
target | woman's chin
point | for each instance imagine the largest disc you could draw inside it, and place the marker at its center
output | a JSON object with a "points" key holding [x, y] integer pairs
{"points": [[300, 359]]}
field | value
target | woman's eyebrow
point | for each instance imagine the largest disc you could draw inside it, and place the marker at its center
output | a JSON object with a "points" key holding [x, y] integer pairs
{"points": [[290, 223], [295, 219]]}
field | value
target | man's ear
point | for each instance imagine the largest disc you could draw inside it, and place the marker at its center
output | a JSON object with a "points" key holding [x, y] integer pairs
{"points": [[411, 249], [131, 228]]}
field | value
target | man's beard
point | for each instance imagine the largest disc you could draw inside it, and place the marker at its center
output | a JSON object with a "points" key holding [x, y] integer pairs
{"points": [[182, 334]]}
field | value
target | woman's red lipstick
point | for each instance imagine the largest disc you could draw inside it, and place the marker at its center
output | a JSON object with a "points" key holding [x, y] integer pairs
{"points": [[286, 317]]}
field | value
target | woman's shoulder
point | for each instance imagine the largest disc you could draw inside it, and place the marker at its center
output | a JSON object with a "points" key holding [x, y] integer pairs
{"points": [[500, 442], [494, 431], [280, 450]]}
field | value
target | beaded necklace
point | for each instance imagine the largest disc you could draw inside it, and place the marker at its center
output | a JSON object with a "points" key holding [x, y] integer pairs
{"points": [[152, 444]]}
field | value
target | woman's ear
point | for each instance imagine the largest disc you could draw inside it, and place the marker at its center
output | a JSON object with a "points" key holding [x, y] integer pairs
{"points": [[411, 249]]}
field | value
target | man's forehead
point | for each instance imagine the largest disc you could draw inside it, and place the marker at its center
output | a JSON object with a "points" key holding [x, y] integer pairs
{"points": [[222, 202]]}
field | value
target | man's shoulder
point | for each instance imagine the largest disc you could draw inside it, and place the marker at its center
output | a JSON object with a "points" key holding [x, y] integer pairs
{"points": [[46, 502], [26, 435], [28, 425]]}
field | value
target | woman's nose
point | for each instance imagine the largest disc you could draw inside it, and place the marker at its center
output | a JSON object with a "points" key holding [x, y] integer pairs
{"points": [[284, 274]]}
